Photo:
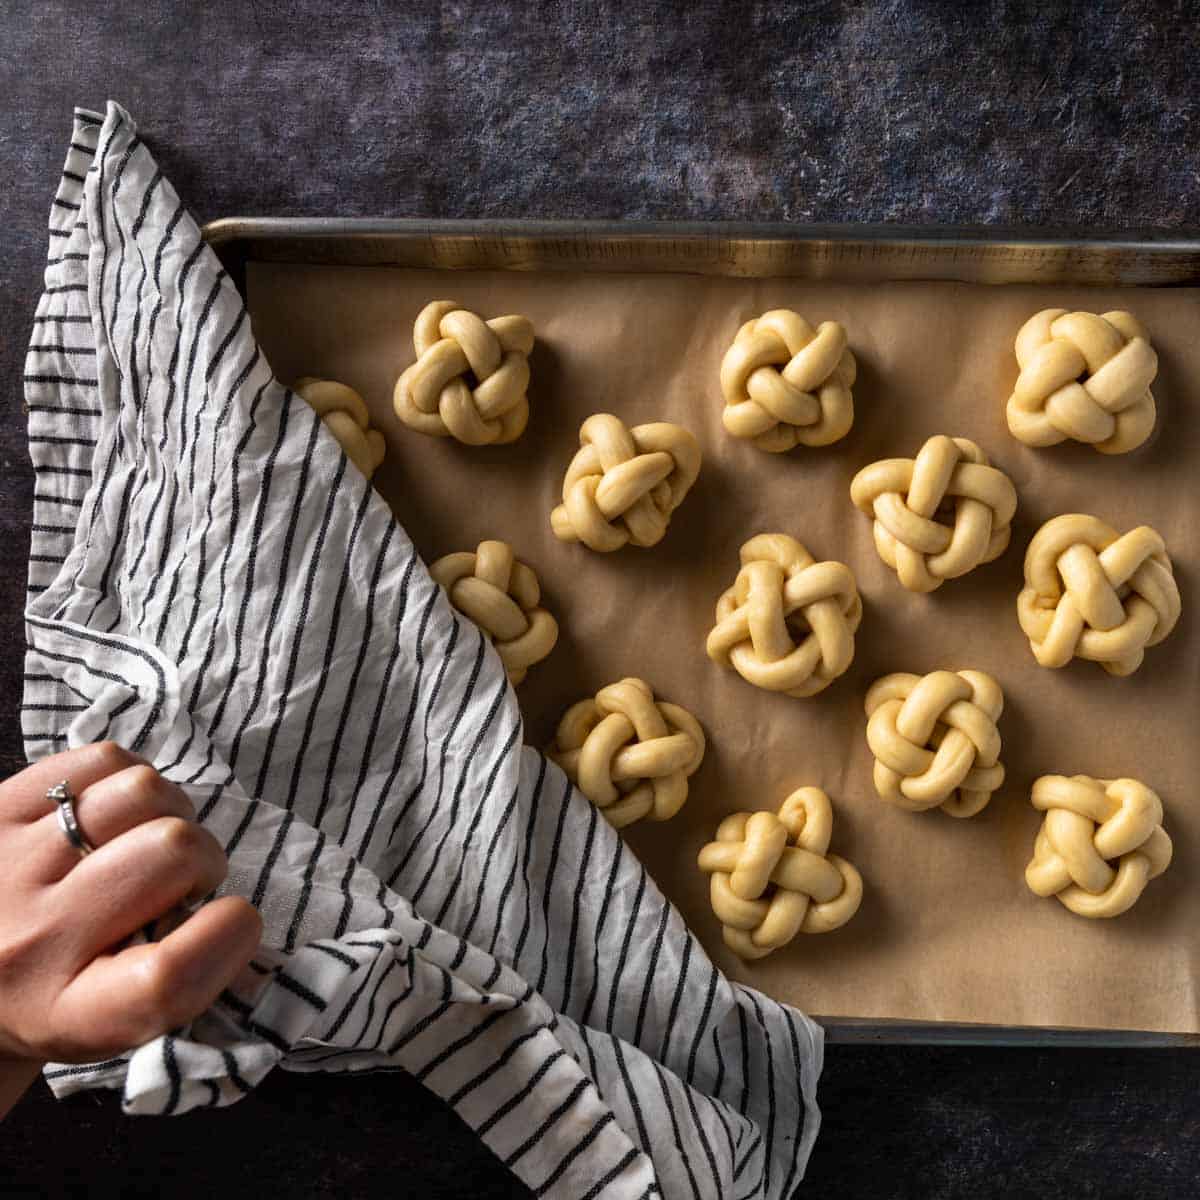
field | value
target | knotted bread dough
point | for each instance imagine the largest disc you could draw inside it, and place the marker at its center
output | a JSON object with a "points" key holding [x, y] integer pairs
{"points": [[785, 383], [1093, 593], [629, 754], [470, 377], [1085, 377], [502, 596], [773, 877], [780, 594], [345, 415], [939, 515], [623, 484], [935, 740], [1090, 825]]}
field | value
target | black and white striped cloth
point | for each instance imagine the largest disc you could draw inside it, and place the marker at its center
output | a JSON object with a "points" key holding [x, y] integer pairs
{"points": [[213, 584]]}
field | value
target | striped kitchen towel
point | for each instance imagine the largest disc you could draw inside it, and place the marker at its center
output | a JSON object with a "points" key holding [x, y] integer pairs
{"points": [[213, 584]]}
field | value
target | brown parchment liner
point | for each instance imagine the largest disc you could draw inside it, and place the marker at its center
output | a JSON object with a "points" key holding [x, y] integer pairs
{"points": [[947, 930]]}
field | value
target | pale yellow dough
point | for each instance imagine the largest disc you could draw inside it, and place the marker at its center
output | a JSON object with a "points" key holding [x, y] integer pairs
{"points": [[470, 377], [939, 515], [935, 740], [773, 875], [787, 384], [502, 596], [1085, 377], [780, 594], [1102, 841], [1093, 593], [629, 754], [623, 484], [345, 415]]}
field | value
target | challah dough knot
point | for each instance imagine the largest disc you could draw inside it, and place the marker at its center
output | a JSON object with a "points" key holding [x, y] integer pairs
{"points": [[630, 755], [345, 415], [935, 740], [501, 595], [807, 401], [773, 877], [939, 515], [1085, 377], [782, 593], [623, 484], [1090, 825], [470, 376], [1093, 593]]}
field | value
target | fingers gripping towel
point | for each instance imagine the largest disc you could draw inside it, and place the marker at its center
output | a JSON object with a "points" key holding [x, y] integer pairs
{"points": [[213, 584]]}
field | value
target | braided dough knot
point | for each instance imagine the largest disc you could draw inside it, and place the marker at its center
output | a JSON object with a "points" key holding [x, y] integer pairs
{"points": [[782, 593], [345, 415], [935, 740], [1096, 594], [623, 484], [939, 515], [629, 754], [1091, 824], [470, 377], [773, 877], [502, 596], [1085, 377], [786, 383]]}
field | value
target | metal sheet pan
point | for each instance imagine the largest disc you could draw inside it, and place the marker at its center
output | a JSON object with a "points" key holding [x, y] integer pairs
{"points": [[864, 254]]}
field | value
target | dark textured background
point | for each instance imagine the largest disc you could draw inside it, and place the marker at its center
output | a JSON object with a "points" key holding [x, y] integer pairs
{"points": [[915, 112]]}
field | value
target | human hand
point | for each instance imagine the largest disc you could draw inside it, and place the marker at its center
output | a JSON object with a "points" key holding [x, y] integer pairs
{"points": [[69, 991]]}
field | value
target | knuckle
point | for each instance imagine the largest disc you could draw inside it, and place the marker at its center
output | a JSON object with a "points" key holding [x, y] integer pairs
{"points": [[143, 786], [166, 997], [142, 781], [179, 839], [114, 757], [176, 797]]}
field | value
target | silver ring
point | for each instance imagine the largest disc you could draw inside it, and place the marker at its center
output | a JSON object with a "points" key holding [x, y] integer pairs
{"points": [[68, 822]]}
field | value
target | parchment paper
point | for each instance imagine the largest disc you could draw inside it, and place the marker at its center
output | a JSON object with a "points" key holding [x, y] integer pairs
{"points": [[947, 929]]}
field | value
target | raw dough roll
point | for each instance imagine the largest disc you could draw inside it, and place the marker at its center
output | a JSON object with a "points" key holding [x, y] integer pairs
{"points": [[1085, 377], [502, 596], [787, 624], [345, 415], [773, 875], [623, 484], [939, 515], [1102, 841], [629, 754], [470, 377], [786, 384], [1093, 593], [935, 740]]}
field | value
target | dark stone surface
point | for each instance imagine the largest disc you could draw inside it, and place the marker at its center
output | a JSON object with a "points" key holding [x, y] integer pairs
{"points": [[1073, 116], [920, 1123]]}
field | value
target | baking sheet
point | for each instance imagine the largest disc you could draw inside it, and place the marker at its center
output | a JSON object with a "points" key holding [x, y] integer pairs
{"points": [[947, 930]]}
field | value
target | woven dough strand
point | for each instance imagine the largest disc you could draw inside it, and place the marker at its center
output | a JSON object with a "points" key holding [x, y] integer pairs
{"points": [[786, 384], [470, 377], [935, 740], [629, 754], [773, 875], [623, 484], [1095, 594], [502, 596], [939, 515], [788, 622], [346, 416], [1090, 825], [1085, 377]]}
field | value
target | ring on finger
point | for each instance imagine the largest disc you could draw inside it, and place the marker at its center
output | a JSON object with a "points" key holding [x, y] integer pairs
{"points": [[68, 821]]}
